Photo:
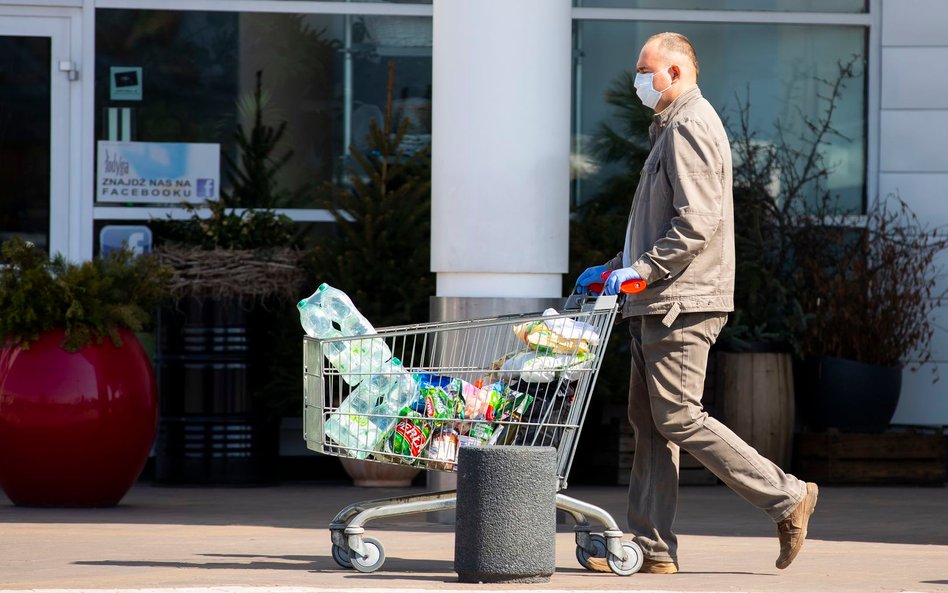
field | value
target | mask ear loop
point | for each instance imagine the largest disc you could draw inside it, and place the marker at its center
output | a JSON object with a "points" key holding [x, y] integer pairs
{"points": [[670, 84]]}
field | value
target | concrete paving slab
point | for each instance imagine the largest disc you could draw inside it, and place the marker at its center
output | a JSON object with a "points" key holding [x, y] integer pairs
{"points": [[862, 539]]}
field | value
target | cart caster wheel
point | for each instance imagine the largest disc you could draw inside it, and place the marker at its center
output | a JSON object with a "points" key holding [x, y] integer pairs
{"points": [[341, 556], [598, 544], [631, 563], [374, 556]]}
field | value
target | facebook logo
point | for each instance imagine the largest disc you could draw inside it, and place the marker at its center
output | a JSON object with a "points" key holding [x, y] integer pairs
{"points": [[205, 188], [136, 238]]}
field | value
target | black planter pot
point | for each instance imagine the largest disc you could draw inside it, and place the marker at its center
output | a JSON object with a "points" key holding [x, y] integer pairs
{"points": [[208, 368], [847, 395]]}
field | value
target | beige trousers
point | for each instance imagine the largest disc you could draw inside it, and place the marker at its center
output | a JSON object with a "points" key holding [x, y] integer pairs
{"points": [[668, 370]]}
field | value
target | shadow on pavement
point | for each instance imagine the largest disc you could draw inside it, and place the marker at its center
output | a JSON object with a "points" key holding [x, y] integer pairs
{"points": [[907, 515]]}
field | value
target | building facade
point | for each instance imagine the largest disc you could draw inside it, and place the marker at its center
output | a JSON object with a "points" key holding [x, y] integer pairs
{"points": [[510, 94]]}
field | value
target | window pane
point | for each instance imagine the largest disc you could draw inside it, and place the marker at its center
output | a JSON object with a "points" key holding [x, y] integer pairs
{"points": [[383, 1], [763, 5], [199, 73], [25, 89], [774, 68]]}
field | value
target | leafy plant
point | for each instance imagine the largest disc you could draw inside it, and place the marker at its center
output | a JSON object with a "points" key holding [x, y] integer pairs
{"points": [[89, 300], [780, 188], [810, 277], [380, 255], [869, 286]]}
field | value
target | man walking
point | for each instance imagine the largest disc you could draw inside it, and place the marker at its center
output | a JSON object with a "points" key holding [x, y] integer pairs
{"points": [[680, 240]]}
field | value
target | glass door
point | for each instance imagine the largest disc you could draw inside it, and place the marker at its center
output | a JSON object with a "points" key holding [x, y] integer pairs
{"points": [[35, 73]]}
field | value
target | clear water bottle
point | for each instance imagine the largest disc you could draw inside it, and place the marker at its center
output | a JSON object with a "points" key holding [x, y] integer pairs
{"points": [[330, 313], [316, 321], [400, 390], [382, 387], [353, 426]]}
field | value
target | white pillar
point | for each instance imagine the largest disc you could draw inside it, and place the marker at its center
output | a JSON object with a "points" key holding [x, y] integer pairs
{"points": [[500, 147]]}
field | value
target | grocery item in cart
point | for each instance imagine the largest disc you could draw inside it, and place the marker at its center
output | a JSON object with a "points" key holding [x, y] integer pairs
{"points": [[542, 423], [483, 433], [560, 335], [330, 313], [367, 415], [411, 434], [399, 390], [443, 449], [350, 425], [539, 367], [513, 406], [479, 402], [435, 402]]}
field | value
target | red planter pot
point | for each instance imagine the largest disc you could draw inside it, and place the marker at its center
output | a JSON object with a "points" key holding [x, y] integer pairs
{"points": [[75, 428]]}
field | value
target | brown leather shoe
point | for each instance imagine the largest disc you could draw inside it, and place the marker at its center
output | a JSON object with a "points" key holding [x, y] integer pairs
{"points": [[792, 530], [648, 566]]}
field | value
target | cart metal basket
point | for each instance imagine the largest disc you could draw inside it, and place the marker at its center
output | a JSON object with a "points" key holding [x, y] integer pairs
{"points": [[414, 394]]}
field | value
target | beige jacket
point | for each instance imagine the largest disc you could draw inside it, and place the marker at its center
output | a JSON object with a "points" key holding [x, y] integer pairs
{"points": [[680, 237]]}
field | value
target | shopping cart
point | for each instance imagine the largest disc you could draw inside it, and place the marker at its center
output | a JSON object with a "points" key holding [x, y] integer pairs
{"points": [[521, 380]]}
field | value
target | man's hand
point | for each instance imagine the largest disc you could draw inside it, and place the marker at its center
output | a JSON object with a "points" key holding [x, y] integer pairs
{"points": [[616, 278], [591, 275]]}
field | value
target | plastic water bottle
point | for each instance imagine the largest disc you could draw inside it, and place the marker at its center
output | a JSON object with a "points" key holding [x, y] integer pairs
{"points": [[400, 389], [368, 413], [315, 320], [329, 313], [382, 387], [351, 426]]}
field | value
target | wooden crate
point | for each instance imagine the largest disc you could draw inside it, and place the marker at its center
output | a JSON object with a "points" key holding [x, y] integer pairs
{"points": [[907, 457]]}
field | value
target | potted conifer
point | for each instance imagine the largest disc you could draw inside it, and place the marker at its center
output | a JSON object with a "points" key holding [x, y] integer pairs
{"points": [[78, 404]]}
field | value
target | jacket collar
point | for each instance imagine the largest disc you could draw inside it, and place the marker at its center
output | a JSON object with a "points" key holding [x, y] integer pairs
{"points": [[686, 98]]}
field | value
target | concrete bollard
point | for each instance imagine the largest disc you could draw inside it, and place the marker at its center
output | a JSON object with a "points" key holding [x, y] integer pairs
{"points": [[506, 515]]}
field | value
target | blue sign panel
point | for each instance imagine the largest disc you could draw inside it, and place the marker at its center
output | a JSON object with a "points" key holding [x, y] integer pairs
{"points": [[137, 238]]}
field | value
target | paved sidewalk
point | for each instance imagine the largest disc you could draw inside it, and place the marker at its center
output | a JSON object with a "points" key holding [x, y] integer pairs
{"points": [[862, 539]]}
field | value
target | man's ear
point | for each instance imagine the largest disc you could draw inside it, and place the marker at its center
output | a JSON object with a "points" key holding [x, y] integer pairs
{"points": [[675, 72]]}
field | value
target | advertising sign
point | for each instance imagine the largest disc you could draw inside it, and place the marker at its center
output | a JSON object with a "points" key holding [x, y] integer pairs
{"points": [[135, 237], [157, 172], [125, 83]]}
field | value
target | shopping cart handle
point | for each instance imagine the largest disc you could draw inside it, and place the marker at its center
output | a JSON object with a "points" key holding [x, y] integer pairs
{"points": [[627, 287]]}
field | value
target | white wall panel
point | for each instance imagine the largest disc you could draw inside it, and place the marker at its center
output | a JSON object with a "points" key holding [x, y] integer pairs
{"points": [[914, 22], [923, 402], [939, 343], [915, 77], [925, 193], [913, 141], [941, 270]]}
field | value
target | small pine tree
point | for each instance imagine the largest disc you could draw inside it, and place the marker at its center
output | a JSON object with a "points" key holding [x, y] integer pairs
{"points": [[380, 254], [254, 187]]}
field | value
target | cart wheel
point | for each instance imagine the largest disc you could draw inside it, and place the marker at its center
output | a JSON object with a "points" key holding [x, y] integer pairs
{"points": [[631, 563], [598, 544], [341, 556], [374, 556]]}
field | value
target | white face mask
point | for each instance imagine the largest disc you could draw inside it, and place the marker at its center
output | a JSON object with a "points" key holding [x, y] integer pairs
{"points": [[645, 89]]}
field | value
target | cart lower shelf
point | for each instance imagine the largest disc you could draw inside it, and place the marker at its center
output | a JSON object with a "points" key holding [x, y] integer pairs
{"points": [[352, 549]]}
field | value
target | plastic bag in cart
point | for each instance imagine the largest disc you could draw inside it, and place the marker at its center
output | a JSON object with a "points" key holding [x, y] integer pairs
{"points": [[560, 335], [542, 423]]}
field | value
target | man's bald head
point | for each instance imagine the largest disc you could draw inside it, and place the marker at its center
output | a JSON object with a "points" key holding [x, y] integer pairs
{"points": [[669, 43], [671, 60]]}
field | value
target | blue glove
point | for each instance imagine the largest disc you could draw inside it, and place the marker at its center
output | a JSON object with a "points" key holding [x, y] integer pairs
{"points": [[616, 278], [591, 275]]}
